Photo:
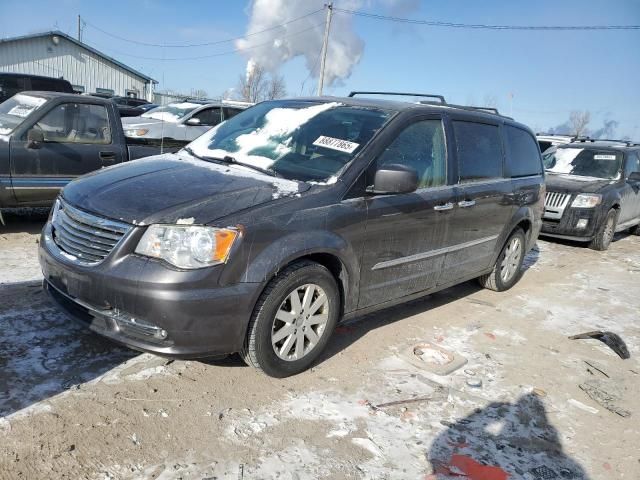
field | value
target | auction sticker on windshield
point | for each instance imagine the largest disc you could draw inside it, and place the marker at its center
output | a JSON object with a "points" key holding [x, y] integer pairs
{"points": [[604, 157], [336, 144]]}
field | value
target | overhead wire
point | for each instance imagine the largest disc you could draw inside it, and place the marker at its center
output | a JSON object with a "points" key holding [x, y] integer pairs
{"points": [[219, 54], [433, 23], [204, 44]]}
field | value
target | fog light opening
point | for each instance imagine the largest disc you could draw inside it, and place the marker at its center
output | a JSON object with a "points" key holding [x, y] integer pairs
{"points": [[582, 223]]}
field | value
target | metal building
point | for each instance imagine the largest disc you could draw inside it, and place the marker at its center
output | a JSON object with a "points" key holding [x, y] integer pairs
{"points": [[56, 54]]}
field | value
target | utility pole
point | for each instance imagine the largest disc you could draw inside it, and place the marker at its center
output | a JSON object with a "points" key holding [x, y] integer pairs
{"points": [[79, 31], [325, 44]]}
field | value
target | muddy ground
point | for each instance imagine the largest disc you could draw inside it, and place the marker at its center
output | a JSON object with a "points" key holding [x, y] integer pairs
{"points": [[75, 406]]}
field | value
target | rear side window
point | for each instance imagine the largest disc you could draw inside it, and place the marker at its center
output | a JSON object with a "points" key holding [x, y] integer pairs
{"points": [[209, 116], [524, 158], [479, 151]]}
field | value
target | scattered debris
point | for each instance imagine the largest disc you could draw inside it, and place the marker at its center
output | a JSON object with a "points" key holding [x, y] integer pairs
{"points": [[603, 397], [582, 406], [538, 392], [592, 365], [402, 402], [469, 372], [490, 335], [474, 382], [468, 468], [134, 439], [434, 358], [610, 339]]}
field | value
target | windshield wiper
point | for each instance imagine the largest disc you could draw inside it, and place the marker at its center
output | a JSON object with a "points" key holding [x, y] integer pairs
{"points": [[232, 160], [227, 159]]}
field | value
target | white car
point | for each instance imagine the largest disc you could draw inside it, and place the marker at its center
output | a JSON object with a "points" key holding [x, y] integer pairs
{"points": [[548, 140], [184, 121]]}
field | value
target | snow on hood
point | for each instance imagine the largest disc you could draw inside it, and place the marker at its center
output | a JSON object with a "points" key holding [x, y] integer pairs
{"points": [[279, 122]]}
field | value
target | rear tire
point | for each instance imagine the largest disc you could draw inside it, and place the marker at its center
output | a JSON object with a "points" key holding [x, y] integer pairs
{"points": [[293, 320], [606, 231], [508, 267]]}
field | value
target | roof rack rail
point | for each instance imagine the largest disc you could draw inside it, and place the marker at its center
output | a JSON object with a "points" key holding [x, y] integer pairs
{"points": [[400, 94], [491, 110]]}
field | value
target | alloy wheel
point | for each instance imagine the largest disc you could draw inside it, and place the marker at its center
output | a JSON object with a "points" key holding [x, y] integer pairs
{"points": [[300, 322], [511, 261]]}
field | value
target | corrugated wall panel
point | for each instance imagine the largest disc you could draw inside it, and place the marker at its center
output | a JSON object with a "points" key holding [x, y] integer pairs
{"points": [[41, 56]]}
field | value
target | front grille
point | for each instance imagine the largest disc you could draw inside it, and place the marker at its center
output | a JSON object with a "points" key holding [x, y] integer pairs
{"points": [[556, 200], [84, 237], [554, 205]]}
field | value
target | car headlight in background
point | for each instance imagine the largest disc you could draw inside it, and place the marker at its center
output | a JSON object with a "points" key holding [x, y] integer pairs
{"points": [[188, 246], [136, 132], [586, 200]]}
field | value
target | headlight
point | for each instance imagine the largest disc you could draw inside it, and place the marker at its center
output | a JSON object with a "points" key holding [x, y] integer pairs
{"points": [[586, 200], [187, 246], [136, 132]]}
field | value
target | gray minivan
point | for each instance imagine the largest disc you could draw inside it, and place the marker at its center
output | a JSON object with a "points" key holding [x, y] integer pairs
{"points": [[265, 232]]}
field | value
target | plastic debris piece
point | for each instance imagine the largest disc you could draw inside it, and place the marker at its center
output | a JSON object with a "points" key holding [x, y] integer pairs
{"points": [[474, 382], [582, 406], [433, 358], [538, 392], [610, 339]]}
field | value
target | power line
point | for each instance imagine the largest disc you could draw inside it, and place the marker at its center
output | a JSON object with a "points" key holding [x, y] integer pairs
{"points": [[227, 40], [219, 54], [486, 26]]}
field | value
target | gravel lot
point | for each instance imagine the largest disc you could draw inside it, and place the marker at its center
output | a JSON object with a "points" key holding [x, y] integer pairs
{"points": [[75, 406]]}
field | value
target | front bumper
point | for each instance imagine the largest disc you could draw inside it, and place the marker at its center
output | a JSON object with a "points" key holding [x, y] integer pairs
{"points": [[142, 303], [567, 226]]}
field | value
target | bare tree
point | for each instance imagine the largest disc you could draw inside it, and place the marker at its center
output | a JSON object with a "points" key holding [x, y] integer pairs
{"points": [[257, 86], [578, 122], [277, 88]]}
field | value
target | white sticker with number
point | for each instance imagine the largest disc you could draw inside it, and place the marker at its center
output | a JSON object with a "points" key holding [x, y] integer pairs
{"points": [[336, 144], [604, 157]]}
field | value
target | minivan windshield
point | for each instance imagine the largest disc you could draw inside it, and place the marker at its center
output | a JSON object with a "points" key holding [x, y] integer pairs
{"points": [[295, 139], [172, 112], [16, 109], [583, 162]]}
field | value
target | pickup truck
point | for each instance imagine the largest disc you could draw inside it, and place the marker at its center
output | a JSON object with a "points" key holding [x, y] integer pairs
{"points": [[49, 138]]}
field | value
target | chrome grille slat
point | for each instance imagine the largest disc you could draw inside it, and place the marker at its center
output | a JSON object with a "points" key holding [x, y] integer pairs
{"points": [[80, 237], [86, 238], [555, 204], [91, 230], [60, 233]]}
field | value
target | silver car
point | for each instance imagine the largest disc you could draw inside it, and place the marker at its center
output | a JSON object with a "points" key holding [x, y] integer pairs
{"points": [[183, 121]]}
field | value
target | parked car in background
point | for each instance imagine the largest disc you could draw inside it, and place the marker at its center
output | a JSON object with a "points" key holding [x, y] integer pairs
{"points": [[48, 138], [263, 233], [12, 83], [593, 191], [147, 106], [184, 121], [129, 106], [548, 140]]}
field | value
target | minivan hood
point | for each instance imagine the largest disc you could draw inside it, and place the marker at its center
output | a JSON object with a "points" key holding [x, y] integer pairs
{"points": [[175, 187], [560, 182]]}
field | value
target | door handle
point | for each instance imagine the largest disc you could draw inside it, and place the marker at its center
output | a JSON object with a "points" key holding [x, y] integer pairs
{"points": [[443, 207], [466, 203], [107, 155]]}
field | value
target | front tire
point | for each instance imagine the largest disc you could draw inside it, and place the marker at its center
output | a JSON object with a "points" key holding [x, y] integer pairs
{"points": [[508, 267], [293, 320], [605, 232]]}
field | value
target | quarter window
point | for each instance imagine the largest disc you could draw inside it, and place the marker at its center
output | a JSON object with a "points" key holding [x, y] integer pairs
{"points": [[479, 151], [420, 146], [208, 117], [524, 158], [76, 123]]}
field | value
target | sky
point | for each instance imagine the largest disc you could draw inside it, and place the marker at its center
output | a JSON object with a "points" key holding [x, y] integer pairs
{"points": [[538, 77]]}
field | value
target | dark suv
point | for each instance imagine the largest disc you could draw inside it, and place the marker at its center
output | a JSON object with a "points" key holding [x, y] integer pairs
{"points": [[12, 83], [259, 236], [593, 191]]}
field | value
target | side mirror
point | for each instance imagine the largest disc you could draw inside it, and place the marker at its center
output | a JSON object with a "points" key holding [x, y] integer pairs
{"points": [[391, 179], [35, 138], [194, 122], [634, 177]]}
